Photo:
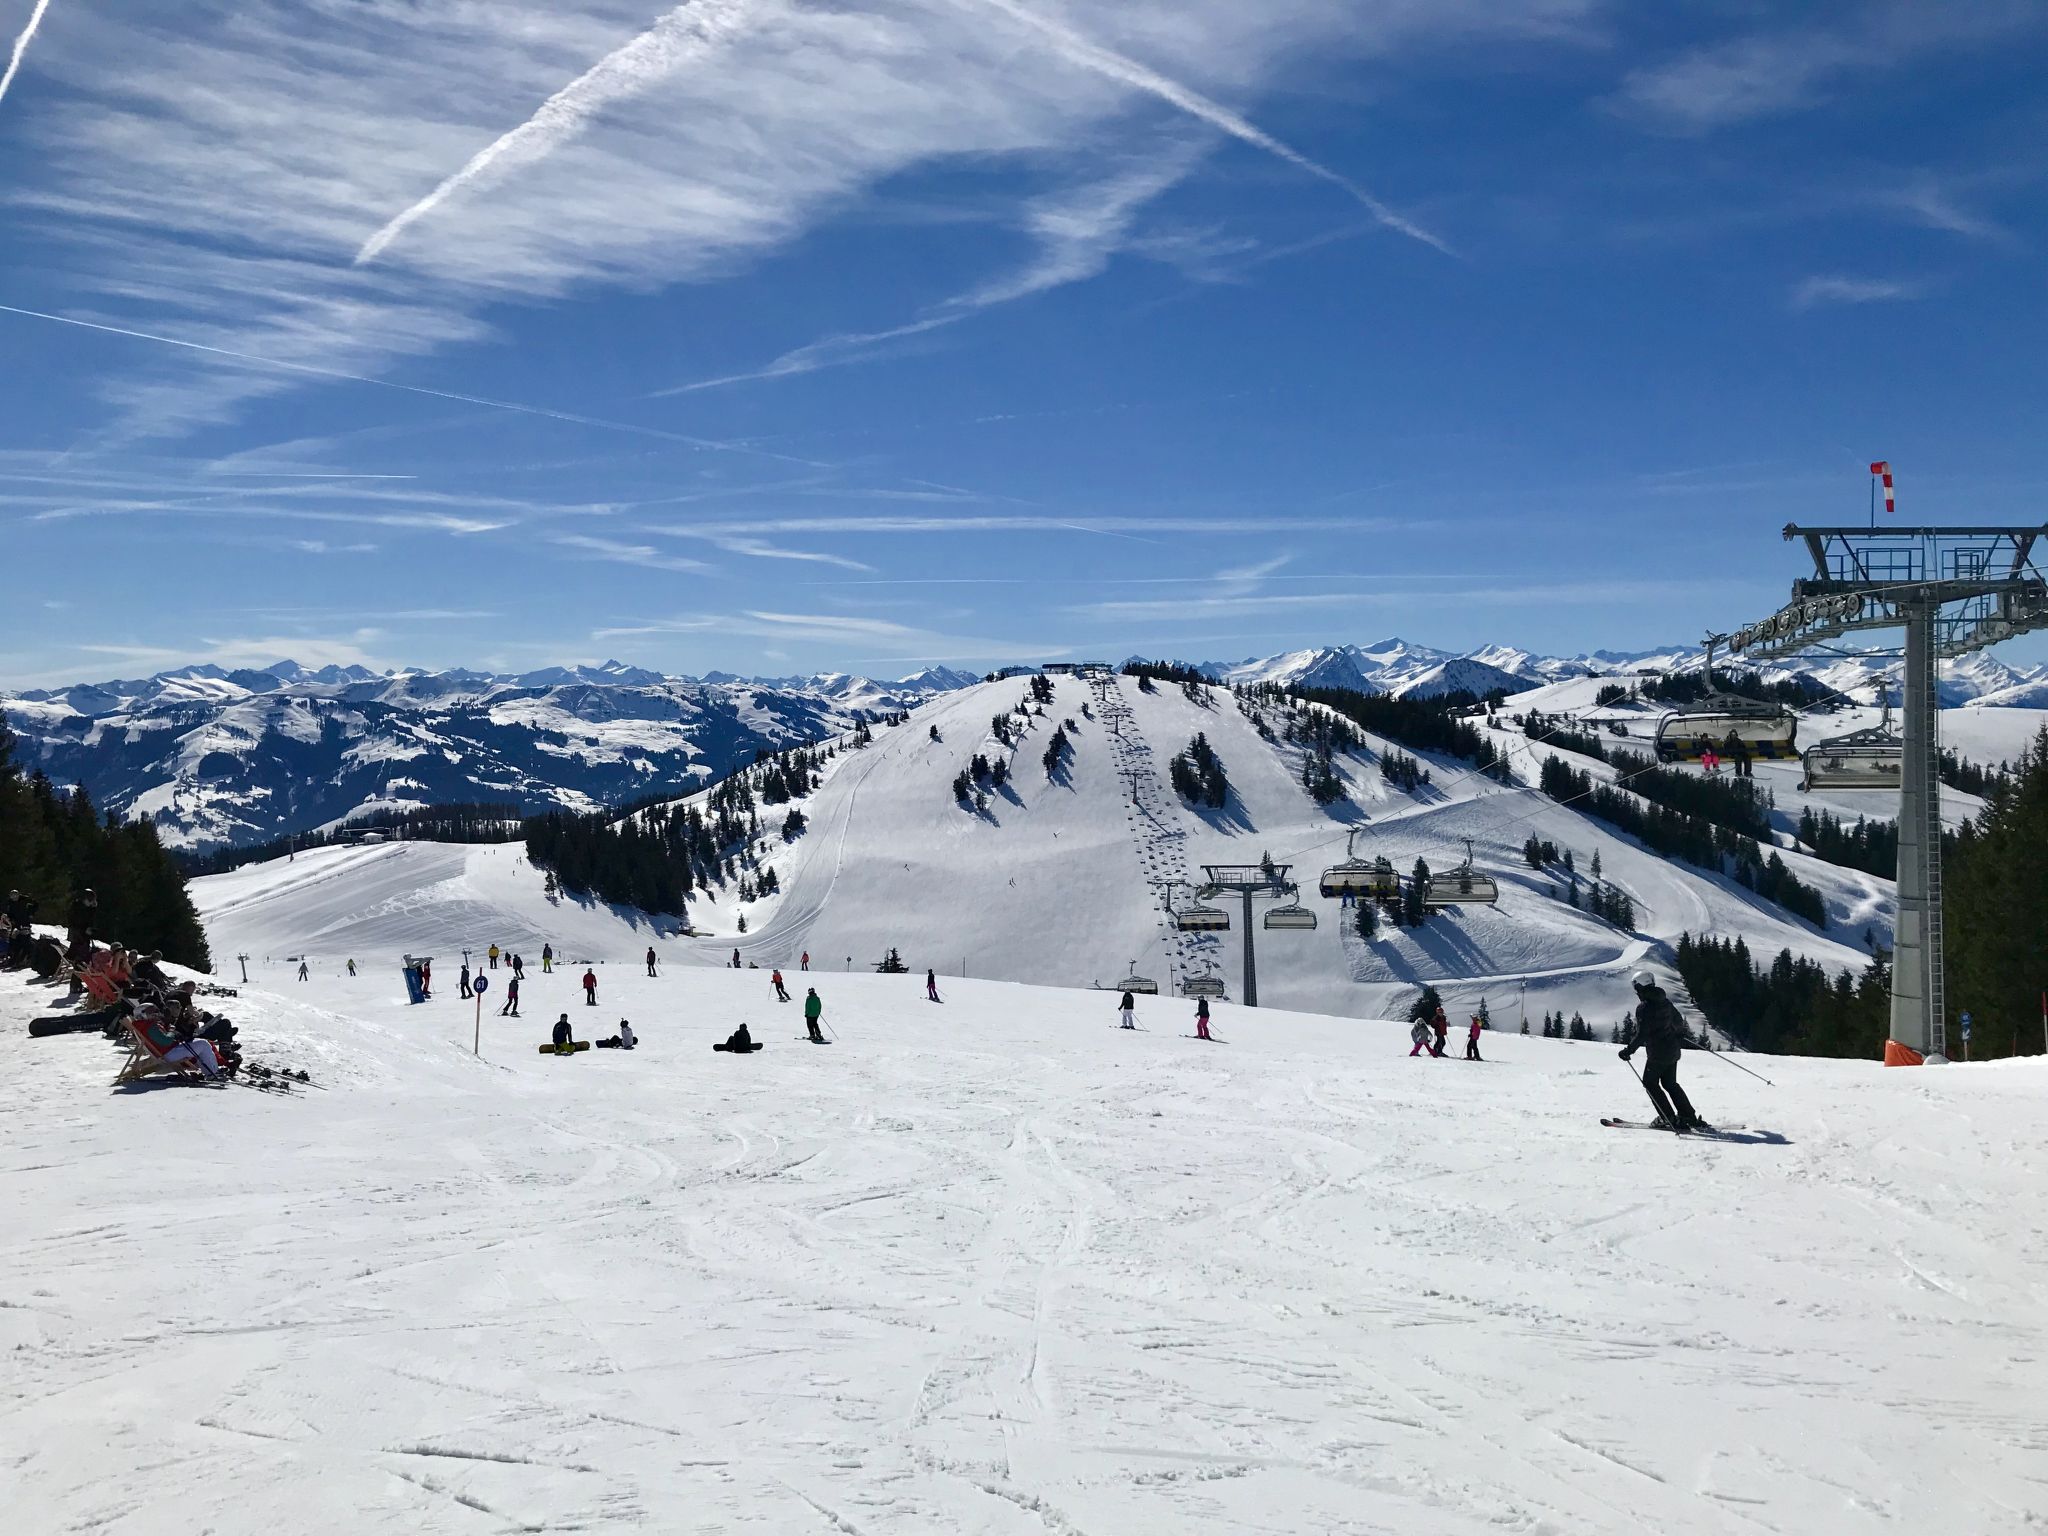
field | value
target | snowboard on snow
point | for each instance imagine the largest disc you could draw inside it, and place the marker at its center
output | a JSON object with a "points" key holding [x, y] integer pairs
{"points": [[565, 1050], [70, 1023], [738, 1050]]}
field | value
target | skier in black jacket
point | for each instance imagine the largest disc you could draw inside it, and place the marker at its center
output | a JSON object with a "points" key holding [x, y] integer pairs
{"points": [[1661, 1033]]}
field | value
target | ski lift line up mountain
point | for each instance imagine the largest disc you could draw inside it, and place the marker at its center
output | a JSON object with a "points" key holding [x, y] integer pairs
{"points": [[1522, 790]]}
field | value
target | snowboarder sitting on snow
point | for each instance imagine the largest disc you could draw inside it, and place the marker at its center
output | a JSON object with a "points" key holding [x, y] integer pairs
{"points": [[565, 1035], [1127, 1011], [814, 1010], [1661, 1033], [1420, 1035], [627, 1039], [590, 988], [740, 1040]]}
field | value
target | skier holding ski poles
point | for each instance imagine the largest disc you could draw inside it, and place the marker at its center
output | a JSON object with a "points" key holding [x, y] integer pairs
{"points": [[1661, 1033]]}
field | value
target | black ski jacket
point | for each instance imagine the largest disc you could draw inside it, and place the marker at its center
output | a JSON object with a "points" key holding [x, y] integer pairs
{"points": [[1659, 1028]]}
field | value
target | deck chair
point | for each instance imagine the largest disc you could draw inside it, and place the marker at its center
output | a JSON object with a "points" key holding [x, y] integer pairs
{"points": [[149, 1041], [101, 986]]}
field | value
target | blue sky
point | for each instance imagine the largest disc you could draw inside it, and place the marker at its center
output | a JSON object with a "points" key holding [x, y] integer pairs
{"points": [[772, 335]]}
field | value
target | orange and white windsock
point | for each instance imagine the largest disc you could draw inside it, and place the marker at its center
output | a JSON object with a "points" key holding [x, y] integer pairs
{"points": [[1883, 471]]}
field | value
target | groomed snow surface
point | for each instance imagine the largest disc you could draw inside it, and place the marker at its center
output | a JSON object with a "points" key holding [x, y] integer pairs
{"points": [[991, 1266]]}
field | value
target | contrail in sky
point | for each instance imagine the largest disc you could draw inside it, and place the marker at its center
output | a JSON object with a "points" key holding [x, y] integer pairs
{"points": [[35, 19], [685, 33], [1105, 61], [417, 389]]}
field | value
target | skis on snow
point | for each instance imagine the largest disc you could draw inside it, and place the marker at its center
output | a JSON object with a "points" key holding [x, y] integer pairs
{"points": [[1618, 1124]]}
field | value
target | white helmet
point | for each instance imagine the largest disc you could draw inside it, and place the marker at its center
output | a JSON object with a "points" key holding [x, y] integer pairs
{"points": [[1643, 979]]}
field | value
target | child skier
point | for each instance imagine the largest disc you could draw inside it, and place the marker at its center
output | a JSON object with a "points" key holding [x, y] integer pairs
{"points": [[1420, 1035], [1442, 1026], [511, 999], [1472, 1041]]}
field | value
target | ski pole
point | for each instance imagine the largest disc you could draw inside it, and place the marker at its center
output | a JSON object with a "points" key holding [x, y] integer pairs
{"points": [[1659, 1108], [1723, 1055]]}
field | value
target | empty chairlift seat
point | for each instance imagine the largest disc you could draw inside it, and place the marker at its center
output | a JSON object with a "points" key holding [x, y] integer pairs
{"points": [[1874, 758], [1463, 886], [1290, 914]]}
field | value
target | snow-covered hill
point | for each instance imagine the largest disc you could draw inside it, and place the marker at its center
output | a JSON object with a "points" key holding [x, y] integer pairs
{"points": [[1055, 882], [238, 757], [1400, 668], [990, 1266]]}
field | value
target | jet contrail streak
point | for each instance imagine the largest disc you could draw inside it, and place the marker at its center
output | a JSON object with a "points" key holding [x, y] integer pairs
{"points": [[35, 19], [1115, 66], [413, 389], [687, 32]]}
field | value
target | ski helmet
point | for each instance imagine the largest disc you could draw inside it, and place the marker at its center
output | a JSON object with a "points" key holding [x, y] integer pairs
{"points": [[1643, 979]]}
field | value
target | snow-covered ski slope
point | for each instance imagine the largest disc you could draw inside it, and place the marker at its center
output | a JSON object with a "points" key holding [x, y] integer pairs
{"points": [[992, 1267], [1053, 884]]}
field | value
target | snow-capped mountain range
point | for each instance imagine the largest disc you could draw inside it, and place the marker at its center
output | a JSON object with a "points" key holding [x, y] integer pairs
{"points": [[216, 756], [237, 756], [1399, 667]]}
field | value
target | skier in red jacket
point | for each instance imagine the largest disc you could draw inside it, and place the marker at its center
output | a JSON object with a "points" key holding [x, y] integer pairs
{"points": [[590, 988]]}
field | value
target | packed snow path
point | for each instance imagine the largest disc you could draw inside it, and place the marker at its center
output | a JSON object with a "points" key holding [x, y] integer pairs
{"points": [[992, 1266]]}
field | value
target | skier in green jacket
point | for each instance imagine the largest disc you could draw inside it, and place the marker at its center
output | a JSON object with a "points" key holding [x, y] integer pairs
{"points": [[814, 1009]]}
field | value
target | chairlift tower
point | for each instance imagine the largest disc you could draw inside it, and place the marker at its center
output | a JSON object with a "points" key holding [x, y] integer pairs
{"points": [[1953, 591], [1248, 880]]}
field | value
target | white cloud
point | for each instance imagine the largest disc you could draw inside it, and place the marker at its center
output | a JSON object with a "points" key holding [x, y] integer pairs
{"points": [[591, 547], [212, 170], [1836, 288], [1769, 73]]}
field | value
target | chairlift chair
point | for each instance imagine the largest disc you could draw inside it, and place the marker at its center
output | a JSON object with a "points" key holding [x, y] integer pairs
{"points": [[1767, 730], [1461, 887], [1136, 983], [1205, 985], [1872, 758], [1291, 913], [1358, 876], [1197, 916]]}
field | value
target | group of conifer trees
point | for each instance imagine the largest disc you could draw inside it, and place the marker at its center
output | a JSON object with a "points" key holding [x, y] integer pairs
{"points": [[55, 844]]}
